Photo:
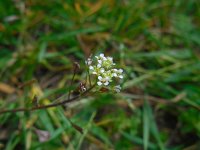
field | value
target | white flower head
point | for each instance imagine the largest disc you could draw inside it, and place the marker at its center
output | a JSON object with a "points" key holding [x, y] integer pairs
{"points": [[117, 88], [100, 61], [103, 68], [104, 80], [88, 61], [117, 73]]}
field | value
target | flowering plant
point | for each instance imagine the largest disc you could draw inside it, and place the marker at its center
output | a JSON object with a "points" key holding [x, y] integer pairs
{"points": [[104, 69]]}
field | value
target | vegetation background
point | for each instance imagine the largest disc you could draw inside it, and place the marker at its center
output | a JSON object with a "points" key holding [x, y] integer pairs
{"points": [[156, 42]]}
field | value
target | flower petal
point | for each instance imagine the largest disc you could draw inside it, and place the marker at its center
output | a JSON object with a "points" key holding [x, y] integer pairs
{"points": [[91, 68], [100, 61], [99, 66], [120, 70], [101, 55], [99, 83], [102, 70], [100, 77], [106, 83], [94, 72], [121, 76]]}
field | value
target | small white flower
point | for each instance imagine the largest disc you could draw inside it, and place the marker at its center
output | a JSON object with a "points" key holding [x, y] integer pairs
{"points": [[110, 58], [100, 61], [99, 66], [88, 61], [91, 68], [120, 70], [104, 80], [121, 76], [114, 74], [117, 73], [101, 55], [104, 58], [117, 88], [102, 70], [100, 78]]}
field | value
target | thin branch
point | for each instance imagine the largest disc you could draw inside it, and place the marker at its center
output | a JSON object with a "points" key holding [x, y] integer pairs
{"points": [[76, 66], [47, 106]]}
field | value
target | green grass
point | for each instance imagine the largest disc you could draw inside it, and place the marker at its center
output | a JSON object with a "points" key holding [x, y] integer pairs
{"points": [[156, 42]]}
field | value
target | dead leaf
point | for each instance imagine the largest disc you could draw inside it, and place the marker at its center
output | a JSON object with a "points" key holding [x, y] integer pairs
{"points": [[5, 88], [4, 134], [104, 90], [94, 8], [2, 27], [1, 146]]}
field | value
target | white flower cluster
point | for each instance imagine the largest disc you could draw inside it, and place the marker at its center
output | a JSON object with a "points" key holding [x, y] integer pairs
{"points": [[103, 69]]}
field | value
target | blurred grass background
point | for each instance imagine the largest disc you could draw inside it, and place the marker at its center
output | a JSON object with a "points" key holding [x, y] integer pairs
{"points": [[156, 42]]}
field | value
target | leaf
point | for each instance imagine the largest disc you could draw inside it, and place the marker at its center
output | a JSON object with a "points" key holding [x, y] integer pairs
{"points": [[153, 126], [146, 126], [137, 140], [86, 130], [5, 88]]}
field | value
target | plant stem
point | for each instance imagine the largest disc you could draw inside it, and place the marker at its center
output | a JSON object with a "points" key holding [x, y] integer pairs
{"points": [[75, 70], [47, 106]]}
